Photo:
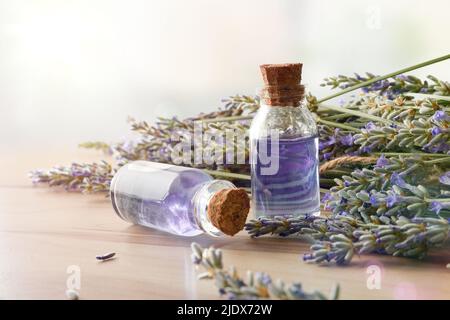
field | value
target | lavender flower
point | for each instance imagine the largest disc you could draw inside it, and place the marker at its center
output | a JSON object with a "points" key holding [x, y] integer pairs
{"points": [[375, 200], [397, 180], [436, 130], [402, 187], [334, 142], [382, 162], [445, 178], [370, 126], [347, 140], [324, 144], [408, 136], [441, 147], [441, 116], [437, 206], [391, 199], [326, 197], [328, 155]]}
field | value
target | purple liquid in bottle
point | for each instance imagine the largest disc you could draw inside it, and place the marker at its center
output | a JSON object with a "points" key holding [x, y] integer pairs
{"points": [[294, 188], [158, 196]]}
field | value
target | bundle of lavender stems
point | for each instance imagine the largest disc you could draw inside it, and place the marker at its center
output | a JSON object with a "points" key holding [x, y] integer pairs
{"points": [[384, 174]]}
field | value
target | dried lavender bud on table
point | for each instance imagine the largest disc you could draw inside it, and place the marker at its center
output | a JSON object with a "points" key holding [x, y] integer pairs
{"points": [[106, 256]]}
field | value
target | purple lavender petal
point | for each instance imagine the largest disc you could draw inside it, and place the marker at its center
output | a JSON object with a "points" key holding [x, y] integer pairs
{"points": [[391, 199], [440, 116], [439, 148], [359, 78], [328, 155], [370, 126], [402, 77], [347, 140], [374, 200], [436, 206], [435, 131], [382, 161], [327, 143], [445, 178], [397, 180], [327, 197]]}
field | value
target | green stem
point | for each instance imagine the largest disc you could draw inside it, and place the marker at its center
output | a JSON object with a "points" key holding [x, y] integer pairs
{"points": [[408, 154], [337, 125], [227, 119], [437, 200], [440, 160], [358, 114], [337, 116], [228, 174], [336, 172], [356, 124], [424, 96], [327, 181], [389, 75], [334, 124]]}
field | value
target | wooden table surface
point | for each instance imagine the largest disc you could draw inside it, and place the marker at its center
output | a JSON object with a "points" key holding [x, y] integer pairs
{"points": [[44, 231]]}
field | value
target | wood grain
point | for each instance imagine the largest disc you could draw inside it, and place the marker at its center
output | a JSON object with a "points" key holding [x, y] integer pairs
{"points": [[43, 231]]}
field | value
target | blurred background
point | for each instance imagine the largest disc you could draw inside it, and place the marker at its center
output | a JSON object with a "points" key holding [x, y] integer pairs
{"points": [[72, 71]]}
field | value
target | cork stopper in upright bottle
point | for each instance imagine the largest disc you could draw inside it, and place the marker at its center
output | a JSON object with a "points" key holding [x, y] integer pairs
{"points": [[228, 210], [282, 84]]}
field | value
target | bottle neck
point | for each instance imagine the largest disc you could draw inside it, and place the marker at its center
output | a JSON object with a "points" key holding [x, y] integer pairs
{"points": [[299, 104], [201, 202], [276, 96]]}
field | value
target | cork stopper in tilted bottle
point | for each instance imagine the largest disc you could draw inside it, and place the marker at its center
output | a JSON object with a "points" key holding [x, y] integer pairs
{"points": [[228, 210], [282, 84]]}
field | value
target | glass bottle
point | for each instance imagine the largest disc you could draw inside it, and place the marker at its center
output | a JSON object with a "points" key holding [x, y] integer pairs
{"points": [[284, 147], [180, 200]]}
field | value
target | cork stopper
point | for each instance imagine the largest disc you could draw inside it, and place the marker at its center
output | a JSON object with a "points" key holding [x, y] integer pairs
{"points": [[282, 84], [228, 210]]}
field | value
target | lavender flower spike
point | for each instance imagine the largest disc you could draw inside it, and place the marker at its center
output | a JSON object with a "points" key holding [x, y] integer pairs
{"points": [[258, 285]]}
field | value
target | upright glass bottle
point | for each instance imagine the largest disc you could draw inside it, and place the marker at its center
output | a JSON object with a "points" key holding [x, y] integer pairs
{"points": [[180, 200], [284, 147]]}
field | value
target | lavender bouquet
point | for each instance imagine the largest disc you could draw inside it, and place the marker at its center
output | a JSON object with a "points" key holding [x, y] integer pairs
{"points": [[384, 174]]}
